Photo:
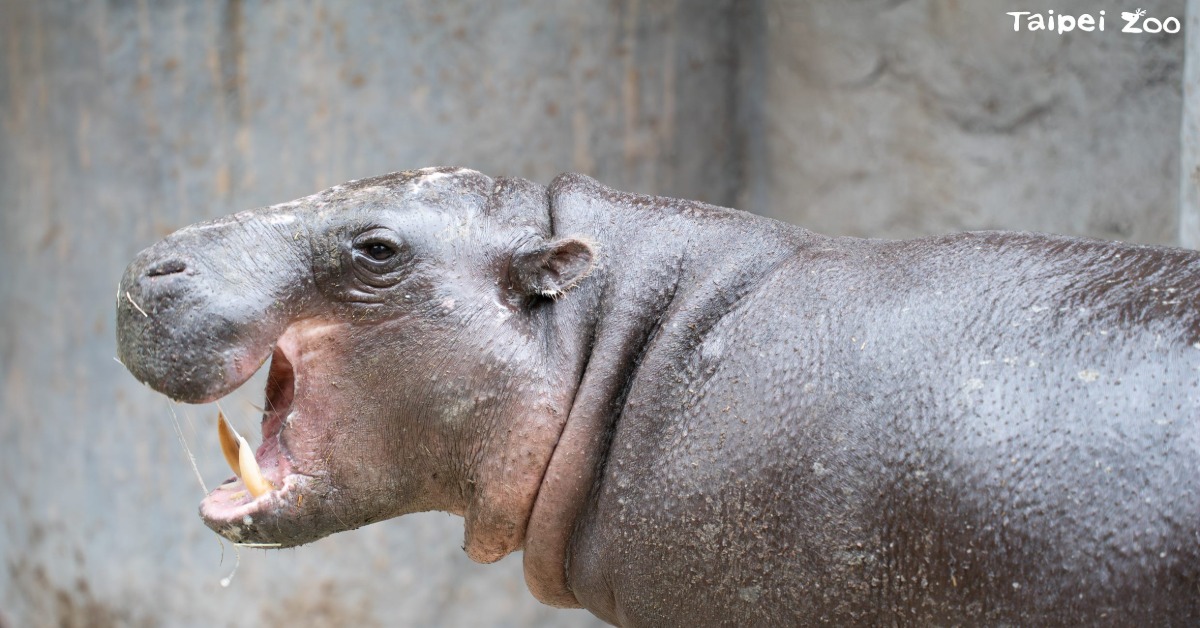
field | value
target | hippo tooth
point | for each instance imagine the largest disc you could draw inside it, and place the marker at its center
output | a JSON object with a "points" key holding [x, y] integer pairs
{"points": [[251, 475], [240, 457], [229, 443]]}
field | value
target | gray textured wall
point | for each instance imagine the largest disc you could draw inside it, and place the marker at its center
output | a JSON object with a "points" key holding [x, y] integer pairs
{"points": [[121, 121], [897, 119]]}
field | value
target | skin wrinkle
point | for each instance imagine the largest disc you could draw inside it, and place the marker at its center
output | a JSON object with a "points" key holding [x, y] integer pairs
{"points": [[745, 290], [639, 348], [589, 347], [608, 394]]}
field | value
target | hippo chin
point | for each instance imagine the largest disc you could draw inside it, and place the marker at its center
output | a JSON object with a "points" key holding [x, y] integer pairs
{"points": [[689, 415]]}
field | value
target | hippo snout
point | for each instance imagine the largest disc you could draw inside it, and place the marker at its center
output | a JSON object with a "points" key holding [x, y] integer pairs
{"points": [[160, 331], [195, 318]]}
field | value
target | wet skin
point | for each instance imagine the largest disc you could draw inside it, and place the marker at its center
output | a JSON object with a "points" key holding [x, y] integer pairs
{"points": [[689, 415]]}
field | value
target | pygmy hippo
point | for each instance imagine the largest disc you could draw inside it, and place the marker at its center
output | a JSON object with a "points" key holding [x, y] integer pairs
{"points": [[689, 415]]}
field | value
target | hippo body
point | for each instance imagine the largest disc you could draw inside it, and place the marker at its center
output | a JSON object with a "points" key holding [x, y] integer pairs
{"points": [[689, 415]]}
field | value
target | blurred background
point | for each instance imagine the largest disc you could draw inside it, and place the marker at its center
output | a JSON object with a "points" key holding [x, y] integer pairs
{"points": [[123, 120]]}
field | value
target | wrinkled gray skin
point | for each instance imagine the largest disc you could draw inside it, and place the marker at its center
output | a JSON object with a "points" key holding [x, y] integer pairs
{"points": [[688, 415]]}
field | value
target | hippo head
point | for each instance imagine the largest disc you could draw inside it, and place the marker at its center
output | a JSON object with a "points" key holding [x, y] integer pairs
{"points": [[404, 317]]}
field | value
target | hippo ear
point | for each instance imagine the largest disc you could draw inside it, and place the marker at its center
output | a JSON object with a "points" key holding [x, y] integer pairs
{"points": [[550, 269]]}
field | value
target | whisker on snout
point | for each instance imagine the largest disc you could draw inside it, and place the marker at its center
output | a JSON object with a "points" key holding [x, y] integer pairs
{"points": [[186, 449]]}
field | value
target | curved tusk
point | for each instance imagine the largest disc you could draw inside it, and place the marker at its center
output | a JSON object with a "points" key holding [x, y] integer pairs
{"points": [[229, 443], [251, 475], [240, 458]]}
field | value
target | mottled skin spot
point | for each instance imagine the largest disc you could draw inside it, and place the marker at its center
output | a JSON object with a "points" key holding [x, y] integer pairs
{"points": [[688, 415]]}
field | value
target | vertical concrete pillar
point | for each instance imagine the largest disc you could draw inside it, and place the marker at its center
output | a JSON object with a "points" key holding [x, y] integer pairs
{"points": [[1189, 163]]}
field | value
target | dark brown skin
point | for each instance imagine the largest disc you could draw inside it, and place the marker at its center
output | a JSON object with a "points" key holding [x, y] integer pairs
{"points": [[688, 415]]}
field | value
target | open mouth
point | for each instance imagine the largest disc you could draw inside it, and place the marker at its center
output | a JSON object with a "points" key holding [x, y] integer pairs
{"points": [[264, 485]]}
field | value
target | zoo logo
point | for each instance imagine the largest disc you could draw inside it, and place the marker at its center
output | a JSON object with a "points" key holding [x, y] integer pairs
{"points": [[1135, 22], [1149, 25]]}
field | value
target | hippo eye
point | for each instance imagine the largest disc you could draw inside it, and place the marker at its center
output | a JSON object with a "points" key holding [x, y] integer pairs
{"points": [[377, 251]]}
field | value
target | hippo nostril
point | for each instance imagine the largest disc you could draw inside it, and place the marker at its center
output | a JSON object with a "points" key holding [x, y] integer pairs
{"points": [[166, 267]]}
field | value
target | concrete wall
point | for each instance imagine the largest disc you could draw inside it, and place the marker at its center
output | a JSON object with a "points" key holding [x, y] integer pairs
{"points": [[121, 121], [896, 119]]}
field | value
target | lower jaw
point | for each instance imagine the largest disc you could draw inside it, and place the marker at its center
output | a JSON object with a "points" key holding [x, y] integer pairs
{"points": [[265, 499], [274, 519]]}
